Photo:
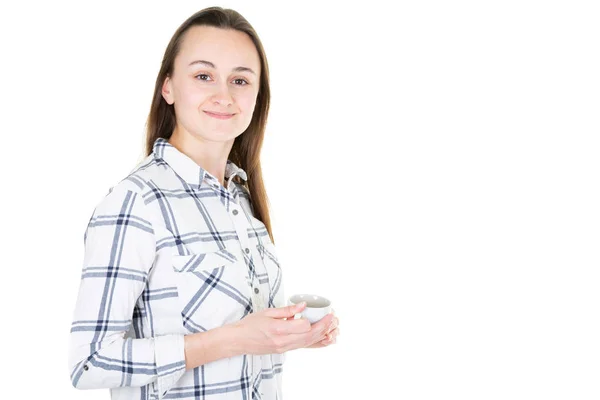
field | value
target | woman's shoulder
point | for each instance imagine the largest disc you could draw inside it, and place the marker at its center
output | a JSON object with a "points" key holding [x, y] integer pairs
{"points": [[149, 173], [137, 182], [140, 177]]}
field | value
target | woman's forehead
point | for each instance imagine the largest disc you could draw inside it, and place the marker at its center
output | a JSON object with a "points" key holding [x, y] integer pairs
{"points": [[225, 48]]}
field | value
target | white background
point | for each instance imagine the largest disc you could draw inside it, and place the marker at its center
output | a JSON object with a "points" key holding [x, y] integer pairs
{"points": [[433, 168]]}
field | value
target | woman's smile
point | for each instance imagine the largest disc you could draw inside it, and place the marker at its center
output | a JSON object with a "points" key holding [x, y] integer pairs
{"points": [[218, 115]]}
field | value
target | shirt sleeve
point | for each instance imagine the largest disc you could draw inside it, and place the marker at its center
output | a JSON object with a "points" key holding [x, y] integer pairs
{"points": [[120, 247]]}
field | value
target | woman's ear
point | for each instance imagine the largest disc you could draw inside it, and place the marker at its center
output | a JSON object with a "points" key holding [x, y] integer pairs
{"points": [[167, 90]]}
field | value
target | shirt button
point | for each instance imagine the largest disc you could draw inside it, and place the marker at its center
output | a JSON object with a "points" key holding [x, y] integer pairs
{"points": [[85, 367], [235, 212], [256, 290], [247, 250]]}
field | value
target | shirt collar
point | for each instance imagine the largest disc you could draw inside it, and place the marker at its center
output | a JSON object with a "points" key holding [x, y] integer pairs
{"points": [[187, 168]]}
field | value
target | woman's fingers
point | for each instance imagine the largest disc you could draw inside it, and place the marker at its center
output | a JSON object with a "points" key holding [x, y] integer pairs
{"points": [[322, 327], [328, 340], [300, 333], [290, 333], [333, 334], [334, 324], [331, 337]]}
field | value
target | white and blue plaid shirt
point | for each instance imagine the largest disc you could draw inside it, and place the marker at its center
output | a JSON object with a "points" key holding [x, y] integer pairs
{"points": [[169, 252]]}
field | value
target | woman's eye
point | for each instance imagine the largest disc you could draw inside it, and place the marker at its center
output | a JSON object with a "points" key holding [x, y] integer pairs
{"points": [[238, 81]]}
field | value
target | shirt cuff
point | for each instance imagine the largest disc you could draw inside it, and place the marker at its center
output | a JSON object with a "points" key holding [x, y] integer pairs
{"points": [[170, 361]]}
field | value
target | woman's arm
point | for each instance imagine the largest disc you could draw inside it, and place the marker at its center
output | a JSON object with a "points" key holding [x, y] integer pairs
{"points": [[119, 251], [273, 330]]}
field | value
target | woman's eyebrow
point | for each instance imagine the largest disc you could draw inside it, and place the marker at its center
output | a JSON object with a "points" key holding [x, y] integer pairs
{"points": [[211, 65]]}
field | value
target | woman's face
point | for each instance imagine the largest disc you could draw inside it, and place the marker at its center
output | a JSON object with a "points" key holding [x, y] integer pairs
{"points": [[217, 71]]}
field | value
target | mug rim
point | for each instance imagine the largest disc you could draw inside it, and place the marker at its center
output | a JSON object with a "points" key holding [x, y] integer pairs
{"points": [[315, 297]]}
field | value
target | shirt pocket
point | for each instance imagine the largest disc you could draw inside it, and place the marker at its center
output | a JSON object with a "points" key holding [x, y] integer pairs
{"points": [[268, 252], [211, 288]]}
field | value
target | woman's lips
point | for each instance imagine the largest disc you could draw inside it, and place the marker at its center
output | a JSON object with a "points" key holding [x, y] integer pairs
{"points": [[219, 116]]}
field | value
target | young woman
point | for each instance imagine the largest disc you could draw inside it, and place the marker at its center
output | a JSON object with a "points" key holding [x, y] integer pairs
{"points": [[181, 293]]}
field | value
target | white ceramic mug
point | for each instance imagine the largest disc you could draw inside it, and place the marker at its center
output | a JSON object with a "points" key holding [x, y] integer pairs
{"points": [[316, 306]]}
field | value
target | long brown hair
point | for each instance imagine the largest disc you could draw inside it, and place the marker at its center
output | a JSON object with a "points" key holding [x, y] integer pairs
{"points": [[245, 152]]}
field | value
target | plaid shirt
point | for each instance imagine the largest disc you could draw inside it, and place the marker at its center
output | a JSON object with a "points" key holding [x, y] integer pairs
{"points": [[168, 252]]}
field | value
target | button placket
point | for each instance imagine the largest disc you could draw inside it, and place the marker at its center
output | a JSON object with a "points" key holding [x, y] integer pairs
{"points": [[257, 299], [241, 228]]}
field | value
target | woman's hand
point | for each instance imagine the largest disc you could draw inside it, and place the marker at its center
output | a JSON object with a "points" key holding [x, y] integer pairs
{"points": [[331, 336], [274, 330]]}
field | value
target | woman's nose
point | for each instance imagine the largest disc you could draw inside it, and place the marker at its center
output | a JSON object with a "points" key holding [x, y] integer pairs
{"points": [[222, 95]]}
